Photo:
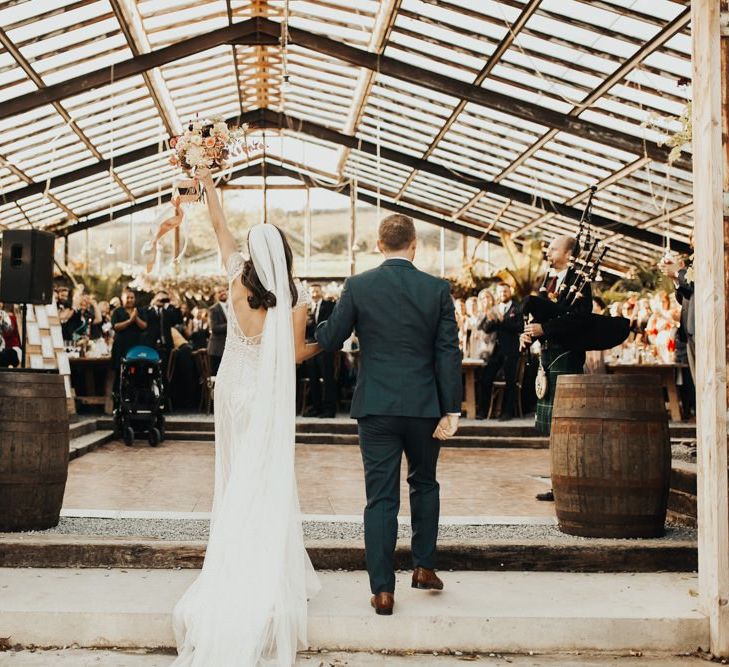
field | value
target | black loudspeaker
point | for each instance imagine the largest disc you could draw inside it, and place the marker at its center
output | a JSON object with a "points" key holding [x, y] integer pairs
{"points": [[26, 272]]}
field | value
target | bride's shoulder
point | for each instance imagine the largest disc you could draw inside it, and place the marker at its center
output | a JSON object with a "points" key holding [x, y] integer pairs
{"points": [[303, 296], [235, 264]]}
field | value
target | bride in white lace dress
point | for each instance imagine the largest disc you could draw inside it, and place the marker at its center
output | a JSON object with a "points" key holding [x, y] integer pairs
{"points": [[248, 607]]}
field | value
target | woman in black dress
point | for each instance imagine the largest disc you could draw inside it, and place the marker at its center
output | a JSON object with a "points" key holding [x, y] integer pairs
{"points": [[128, 324]]}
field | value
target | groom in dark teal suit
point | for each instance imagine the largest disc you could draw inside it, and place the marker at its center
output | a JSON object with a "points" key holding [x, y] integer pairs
{"points": [[407, 398]]}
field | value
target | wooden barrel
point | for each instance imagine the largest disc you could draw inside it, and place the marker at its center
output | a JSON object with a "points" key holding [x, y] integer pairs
{"points": [[611, 455], [33, 449]]}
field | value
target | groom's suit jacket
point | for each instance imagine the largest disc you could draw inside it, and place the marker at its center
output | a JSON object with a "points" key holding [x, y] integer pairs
{"points": [[410, 363]]}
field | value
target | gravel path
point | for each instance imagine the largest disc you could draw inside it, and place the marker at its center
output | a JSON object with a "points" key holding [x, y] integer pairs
{"points": [[187, 529]]}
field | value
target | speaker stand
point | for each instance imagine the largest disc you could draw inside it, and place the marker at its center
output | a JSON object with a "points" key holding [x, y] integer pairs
{"points": [[25, 335]]}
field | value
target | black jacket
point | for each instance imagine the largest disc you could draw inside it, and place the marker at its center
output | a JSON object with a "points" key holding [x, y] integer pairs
{"points": [[325, 310], [507, 330], [156, 336]]}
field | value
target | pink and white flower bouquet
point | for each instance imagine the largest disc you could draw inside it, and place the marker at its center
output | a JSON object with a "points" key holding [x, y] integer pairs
{"points": [[208, 143]]}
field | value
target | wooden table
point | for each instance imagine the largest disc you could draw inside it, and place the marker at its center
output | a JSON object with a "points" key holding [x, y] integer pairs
{"points": [[89, 367], [667, 375], [470, 366]]}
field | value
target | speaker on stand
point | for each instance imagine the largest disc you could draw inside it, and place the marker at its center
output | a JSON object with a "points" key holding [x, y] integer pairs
{"points": [[26, 270]]}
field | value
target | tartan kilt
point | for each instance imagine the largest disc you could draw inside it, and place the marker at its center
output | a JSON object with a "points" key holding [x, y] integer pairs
{"points": [[571, 363]]}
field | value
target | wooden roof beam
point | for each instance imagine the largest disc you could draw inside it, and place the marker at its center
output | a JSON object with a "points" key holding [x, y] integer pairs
{"points": [[678, 24], [102, 165], [492, 61], [386, 16], [511, 106], [604, 183], [130, 22], [64, 229], [278, 120], [132, 67], [38, 81]]}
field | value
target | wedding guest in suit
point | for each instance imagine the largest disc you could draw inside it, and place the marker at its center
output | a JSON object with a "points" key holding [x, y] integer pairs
{"points": [[677, 271], [218, 322], [320, 369], [162, 316], [506, 321]]}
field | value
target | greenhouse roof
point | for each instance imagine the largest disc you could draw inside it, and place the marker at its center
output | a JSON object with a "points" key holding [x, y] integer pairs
{"points": [[483, 116]]}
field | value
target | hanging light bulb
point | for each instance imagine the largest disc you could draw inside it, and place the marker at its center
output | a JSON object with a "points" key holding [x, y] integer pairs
{"points": [[110, 250]]}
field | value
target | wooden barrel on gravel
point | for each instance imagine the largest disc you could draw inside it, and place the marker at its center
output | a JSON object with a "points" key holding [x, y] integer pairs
{"points": [[33, 449], [611, 455]]}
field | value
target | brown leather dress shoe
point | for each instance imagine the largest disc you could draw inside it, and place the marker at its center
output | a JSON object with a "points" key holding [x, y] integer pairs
{"points": [[426, 580], [383, 603]]}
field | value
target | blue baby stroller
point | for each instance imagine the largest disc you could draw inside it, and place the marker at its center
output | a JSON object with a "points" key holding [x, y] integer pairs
{"points": [[139, 396]]}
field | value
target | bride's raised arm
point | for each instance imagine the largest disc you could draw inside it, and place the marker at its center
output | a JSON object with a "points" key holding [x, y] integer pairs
{"points": [[226, 241]]}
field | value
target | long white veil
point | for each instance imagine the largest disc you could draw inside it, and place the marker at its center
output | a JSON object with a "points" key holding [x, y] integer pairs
{"points": [[248, 606]]}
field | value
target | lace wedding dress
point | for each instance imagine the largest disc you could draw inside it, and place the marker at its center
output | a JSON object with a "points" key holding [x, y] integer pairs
{"points": [[248, 607]]}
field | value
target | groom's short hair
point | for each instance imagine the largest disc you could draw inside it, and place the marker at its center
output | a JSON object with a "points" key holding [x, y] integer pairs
{"points": [[397, 232]]}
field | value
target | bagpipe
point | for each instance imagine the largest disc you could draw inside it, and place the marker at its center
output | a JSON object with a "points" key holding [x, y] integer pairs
{"points": [[573, 299]]}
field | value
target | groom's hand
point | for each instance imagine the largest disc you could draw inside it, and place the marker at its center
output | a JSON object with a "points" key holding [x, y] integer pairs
{"points": [[447, 427]]}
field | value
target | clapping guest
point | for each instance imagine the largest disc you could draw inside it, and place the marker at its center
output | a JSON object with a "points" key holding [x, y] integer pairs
{"points": [[129, 325], [105, 311], [507, 322], [89, 316], [65, 310], [185, 325]]}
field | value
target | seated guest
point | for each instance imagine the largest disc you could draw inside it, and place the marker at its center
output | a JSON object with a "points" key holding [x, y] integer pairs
{"points": [[9, 339], [129, 324], [320, 369], [507, 322]]}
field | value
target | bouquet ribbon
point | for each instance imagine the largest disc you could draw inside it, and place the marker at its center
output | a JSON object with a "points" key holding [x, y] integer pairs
{"points": [[183, 191]]}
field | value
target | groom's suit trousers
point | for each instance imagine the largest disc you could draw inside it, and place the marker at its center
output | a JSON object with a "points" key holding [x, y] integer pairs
{"points": [[383, 439]]}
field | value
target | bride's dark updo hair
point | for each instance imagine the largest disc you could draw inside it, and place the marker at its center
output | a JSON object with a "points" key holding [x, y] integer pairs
{"points": [[260, 297]]}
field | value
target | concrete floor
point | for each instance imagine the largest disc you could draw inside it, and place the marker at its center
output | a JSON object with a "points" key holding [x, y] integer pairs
{"points": [[86, 658], [178, 477]]}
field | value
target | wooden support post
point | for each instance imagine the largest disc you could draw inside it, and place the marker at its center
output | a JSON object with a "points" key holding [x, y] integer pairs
{"points": [[352, 228], [710, 302], [307, 234], [176, 251], [442, 252]]}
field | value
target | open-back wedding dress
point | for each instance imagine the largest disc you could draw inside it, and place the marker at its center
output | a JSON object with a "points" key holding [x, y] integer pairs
{"points": [[248, 607]]}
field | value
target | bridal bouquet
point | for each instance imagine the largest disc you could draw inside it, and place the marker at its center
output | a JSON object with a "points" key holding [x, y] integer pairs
{"points": [[208, 143]]}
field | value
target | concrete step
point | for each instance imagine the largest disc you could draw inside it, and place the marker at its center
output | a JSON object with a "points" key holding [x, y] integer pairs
{"points": [[83, 444], [78, 657], [82, 427], [534, 555], [346, 426], [321, 438], [478, 611]]}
